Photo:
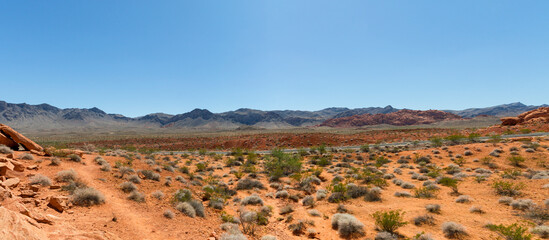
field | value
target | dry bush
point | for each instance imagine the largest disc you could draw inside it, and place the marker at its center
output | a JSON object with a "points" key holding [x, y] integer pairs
{"points": [[40, 179], [454, 230], [136, 196], [87, 197], [66, 176], [347, 225]]}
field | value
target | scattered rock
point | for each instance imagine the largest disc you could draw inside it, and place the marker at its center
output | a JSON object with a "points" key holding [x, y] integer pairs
{"points": [[58, 203], [11, 183]]}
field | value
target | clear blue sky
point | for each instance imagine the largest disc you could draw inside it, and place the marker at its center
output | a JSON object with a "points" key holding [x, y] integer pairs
{"points": [[137, 57]]}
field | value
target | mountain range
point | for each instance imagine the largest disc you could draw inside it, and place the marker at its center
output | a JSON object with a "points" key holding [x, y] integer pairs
{"points": [[47, 117]]}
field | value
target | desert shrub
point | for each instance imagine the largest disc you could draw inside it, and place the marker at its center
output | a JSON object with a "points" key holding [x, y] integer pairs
{"points": [[537, 213], [451, 183], [513, 231], [355, 191], [314, 213], [308, 201], [105, 167], [148, 174], [347, 225], [216, 204], [198, 207], [320, 194], [389, 221], [516, 160], [433, 208], [424, 219], [27, 156], [339, 193], [463, 199], [186, 209], [505, 200], [128, 187], [66, 176], [280, 164], [476, 209], [124, 170], [454, 230], [158, 194], [246, 184], [386, 236], [136, 196], [54, 161], [286, 209], [403, 194], [40, 179], [297, 228], [74, 158], [422, 236], [253, 199], [168, 214], [425, 192], [373, 195], [87, 197], [522, 204], [134, 179], [541, 231], [5, 149], [282, 194], [182, 195], [506, 188]]}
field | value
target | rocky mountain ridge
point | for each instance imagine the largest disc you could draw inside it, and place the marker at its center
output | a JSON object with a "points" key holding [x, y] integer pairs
{"points": [[47, 117]]}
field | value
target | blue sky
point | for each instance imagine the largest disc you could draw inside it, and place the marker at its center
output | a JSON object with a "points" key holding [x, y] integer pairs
{"points": [[137, 57]]}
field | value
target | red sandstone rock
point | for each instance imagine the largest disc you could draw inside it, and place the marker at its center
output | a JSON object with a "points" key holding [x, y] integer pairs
{"points": [[540, 115], [19, 138]]}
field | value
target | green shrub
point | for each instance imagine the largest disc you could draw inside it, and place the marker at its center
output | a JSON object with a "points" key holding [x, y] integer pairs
{"points": [[451, 183], [516, 160], [506, 188], [425, 192], [514, 231], [389, 221], [280, 164], [87, 197]]}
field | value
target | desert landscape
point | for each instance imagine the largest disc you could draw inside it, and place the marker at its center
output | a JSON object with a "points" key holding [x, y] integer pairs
{"points": [[451, 186], [274, 120]]}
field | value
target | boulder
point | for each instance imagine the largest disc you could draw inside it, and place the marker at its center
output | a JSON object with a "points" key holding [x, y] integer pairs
{"points": [[510, 121], [19, 138], [58, 203]]}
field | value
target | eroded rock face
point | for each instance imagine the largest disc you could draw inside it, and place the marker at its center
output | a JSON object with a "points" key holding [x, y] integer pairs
{"points": [[400, 118], [16, 137], [537, 115], [17, 226]]}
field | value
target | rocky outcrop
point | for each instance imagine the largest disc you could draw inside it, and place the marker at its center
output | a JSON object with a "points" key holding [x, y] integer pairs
{"points": [[537, 115], [400, 118], [17, 138], [17, 226]]}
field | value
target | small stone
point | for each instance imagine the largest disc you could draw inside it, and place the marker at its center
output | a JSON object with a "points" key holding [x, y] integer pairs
{"points": [[11, 183]]}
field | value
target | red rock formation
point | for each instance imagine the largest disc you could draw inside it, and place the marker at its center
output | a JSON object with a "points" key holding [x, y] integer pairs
{"points": [[537, 115], [10, 134], [400, 118]]}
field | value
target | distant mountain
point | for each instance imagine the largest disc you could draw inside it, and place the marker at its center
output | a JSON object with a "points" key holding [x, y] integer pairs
{"points": [[403, 117], [46, 117], [504, 110]]}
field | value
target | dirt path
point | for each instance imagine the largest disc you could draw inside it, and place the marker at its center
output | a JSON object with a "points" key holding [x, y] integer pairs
{"points": [[132, 223]]}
